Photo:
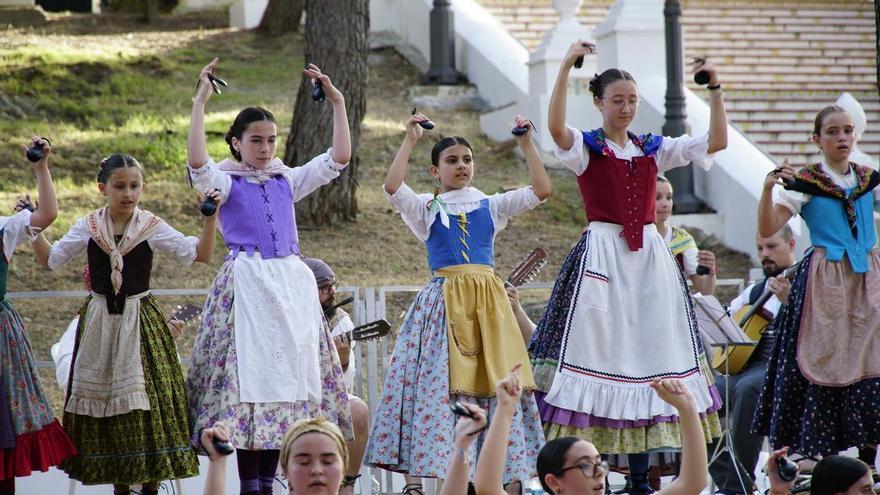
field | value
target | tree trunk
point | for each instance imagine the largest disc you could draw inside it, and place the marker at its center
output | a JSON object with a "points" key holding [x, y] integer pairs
{"points": [[281, 16], [151, 11], [336, 41]]}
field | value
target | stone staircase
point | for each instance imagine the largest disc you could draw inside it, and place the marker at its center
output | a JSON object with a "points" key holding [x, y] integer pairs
{"points": [[781, 60]]}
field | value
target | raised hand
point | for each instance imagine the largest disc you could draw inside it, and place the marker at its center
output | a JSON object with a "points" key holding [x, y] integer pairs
{"points": [[522, 129], [777, 484], [781, 175], [204, 89], [702, 64], [314, 73], [509, 389], [413, 128], [24, 203], [38, 151], [466, 428], [674, 393], [576, 53], [207, 437]]}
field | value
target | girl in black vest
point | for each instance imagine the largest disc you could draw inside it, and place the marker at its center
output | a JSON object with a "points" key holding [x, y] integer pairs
{"points": [[125, 408]]}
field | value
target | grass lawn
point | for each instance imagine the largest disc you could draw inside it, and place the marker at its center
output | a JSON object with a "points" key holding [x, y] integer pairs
{"points": [[97, 85]]}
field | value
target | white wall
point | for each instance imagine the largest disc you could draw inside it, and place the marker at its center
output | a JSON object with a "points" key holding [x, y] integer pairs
{"points": [[491, 58]]}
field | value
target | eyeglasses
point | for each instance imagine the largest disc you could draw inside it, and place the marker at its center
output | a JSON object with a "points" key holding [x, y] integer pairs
{"points": [[589, 469], [327, 288], [622, 102]]}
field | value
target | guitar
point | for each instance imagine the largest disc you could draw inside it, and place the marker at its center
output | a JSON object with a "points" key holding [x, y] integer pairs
{"points": [[527, 268], [368, 331], [754, 320]]}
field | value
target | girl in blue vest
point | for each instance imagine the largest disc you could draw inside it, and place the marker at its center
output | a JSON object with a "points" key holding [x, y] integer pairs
{"points": [[822, 392], [263, 357], [459, 337], [620, 314], [31, 439]]}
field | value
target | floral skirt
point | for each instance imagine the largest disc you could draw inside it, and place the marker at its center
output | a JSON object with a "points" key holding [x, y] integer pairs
{"points": [[31, 439], [139, 446], [413, 428], [213, 385], [812, 419]]}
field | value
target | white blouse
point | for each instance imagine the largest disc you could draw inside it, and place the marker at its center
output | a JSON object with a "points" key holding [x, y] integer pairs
{"points": [[303, 180], [673, 152], [15, 231], [415, 213], [165, 239]]}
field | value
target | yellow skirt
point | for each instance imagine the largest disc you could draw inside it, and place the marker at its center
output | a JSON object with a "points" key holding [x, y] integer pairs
{"points": [[484, 339]]}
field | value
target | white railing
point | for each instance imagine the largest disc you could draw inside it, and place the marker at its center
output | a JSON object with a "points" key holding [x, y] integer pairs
{"points": [[370, 304]]}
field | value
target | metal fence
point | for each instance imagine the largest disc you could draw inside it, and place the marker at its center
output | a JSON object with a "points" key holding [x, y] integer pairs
{"points": [[372, 357]]}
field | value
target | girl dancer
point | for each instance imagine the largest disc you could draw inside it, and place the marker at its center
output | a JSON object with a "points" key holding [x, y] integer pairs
{"points": [[263, 357], [125, 407], [822, 391], [459, 336], [30, 437], [620, 314], [682, 244]]}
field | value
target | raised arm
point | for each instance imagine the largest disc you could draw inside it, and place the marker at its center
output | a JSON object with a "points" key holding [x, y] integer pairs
{"points": [[205, 247], [400, 165], [488, 479], [466, 430], [47, 210], [771, 217], [694, 465], [341, 136], [215, 480], [540, 180], [717, 113], [559, 98], [196, 149]]}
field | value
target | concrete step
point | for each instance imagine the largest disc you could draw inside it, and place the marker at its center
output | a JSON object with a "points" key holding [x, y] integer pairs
{"points": [[746, 25], [689, 18], [861, 52], [810, 46]]}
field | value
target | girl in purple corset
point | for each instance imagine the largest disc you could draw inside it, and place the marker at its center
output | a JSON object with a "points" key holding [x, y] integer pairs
{"points": [[263, 357]]}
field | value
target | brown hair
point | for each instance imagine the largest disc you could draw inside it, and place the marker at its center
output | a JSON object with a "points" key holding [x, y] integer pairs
{"points": [[820, 117]]}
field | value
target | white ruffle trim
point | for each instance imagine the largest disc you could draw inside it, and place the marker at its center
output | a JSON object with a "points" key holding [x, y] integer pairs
{"points": [[620, 401]]}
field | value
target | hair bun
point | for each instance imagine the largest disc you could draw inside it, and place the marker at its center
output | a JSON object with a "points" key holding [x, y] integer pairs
{"points": [[593, 85]]}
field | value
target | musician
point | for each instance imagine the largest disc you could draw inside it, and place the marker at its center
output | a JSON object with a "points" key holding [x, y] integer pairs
{"points": [[340, 324], [776, 254]]}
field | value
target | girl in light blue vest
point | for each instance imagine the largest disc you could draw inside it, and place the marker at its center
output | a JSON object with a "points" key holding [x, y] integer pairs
{"points": [[822, 391]]}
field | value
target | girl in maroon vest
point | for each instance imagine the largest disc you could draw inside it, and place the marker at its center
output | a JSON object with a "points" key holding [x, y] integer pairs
{"points": [[263, 356], [620, 314], [125, 408]]}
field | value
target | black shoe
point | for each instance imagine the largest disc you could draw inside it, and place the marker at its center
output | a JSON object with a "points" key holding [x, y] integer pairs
{"points": [[638, 485]]}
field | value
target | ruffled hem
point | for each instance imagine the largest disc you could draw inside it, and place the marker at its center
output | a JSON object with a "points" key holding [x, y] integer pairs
{"points": [[98, 408], [36, 451], [655, 438], [620, 402], [133, 468], [564, 417]]}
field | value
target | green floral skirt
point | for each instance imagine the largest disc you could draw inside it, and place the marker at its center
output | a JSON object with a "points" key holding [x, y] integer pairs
{"points": [[139, 446]]}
